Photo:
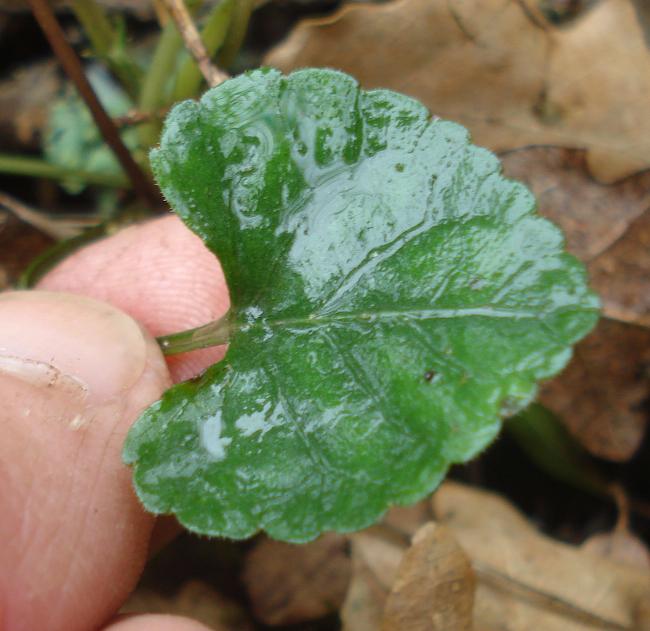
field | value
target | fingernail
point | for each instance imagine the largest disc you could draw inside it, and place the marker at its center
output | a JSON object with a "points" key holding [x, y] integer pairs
{"points": [[72, 342]]}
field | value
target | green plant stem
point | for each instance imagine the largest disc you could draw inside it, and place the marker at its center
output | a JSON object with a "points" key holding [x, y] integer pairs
{"points": [[236, 33], [549, 445], [153, 89], [96, 25], [214, 333], [105, 41], [213, 35], [34, 167], [45, 261]]}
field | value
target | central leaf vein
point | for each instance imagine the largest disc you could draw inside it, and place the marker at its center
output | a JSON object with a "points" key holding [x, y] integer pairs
{"points": [[370, 317]]}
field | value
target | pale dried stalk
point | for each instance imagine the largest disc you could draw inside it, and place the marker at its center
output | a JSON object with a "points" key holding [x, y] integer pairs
{"points": [[58, 227], [194, 43]]}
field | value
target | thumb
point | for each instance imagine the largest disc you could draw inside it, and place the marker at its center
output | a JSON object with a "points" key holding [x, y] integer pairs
{"points": [[74, 374]]}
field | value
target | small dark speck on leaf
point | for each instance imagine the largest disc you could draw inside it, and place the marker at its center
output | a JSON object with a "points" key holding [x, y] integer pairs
{"points": [[429, 375]]}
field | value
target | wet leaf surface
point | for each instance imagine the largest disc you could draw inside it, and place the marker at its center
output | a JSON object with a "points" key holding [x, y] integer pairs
{"points": [[592, 215], [393, 295], [602, 396]]}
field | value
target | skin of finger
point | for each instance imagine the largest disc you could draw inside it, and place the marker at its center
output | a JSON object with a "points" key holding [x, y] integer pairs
{"points": [[74, 536], [158, 272], [156, 622]]}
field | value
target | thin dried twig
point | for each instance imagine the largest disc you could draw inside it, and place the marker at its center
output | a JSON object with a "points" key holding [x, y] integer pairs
{"points": [[142, 185], [194, 43], [61, 227], [550, 602]]}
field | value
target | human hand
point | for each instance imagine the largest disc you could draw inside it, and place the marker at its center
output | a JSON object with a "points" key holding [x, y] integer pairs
{"points": [[74, 375]]}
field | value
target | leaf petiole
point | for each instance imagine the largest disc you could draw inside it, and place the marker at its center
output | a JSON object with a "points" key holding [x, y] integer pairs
{"points": [[214, 333]]}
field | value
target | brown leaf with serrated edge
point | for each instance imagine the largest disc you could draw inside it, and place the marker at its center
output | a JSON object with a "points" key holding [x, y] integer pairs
{"points": [[434, 588], [529, 581], [288, 584], [512, 79]]}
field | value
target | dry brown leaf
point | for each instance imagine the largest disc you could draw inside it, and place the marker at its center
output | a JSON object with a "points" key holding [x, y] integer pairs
{"points": [[621, 546], [434, 589], [621, 274], [376, 556], [525, 580], [195, 600], [56, 225], [492, 65], [406, 520], [601, 395], [375, 559], [25, 97], [528, 581], [289, 583]]}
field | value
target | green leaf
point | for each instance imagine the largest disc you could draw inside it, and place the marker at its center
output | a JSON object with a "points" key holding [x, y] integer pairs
{"points": [[73, 141], [393, 295]]}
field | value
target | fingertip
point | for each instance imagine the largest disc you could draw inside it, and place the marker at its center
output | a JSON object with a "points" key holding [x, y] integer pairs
{"points": [[157, 622], [74, 374]]}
